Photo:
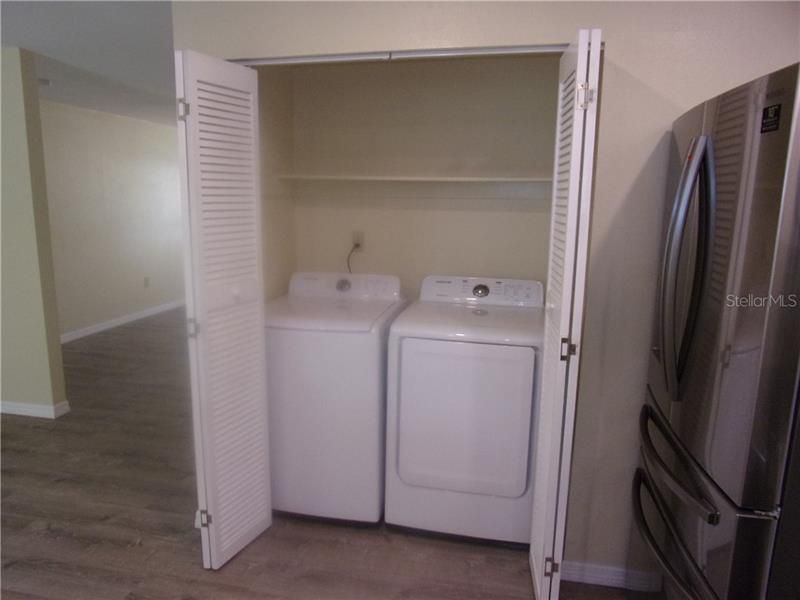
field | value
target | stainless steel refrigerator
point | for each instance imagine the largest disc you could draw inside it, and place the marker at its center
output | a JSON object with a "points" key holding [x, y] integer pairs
{"points": [[717, 498]]}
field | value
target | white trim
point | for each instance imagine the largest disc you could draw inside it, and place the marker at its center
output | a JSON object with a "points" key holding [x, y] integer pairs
{"points": [[403, 55], [42, 411], [315, 59], [478, 51], [117, 321], [191, 311], [537, 593], [639, 581]]}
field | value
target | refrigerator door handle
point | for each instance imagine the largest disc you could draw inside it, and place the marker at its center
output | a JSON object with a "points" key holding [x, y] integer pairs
{"points": [[684, 585], [700, 502], [699, 164], [669, 270], [707, 210]]}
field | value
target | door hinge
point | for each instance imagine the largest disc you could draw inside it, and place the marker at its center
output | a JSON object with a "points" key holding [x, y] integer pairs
{"points": [[191, 327], [567, 349], [550, 566], [183, 109], [584, 95], [203, 519]]}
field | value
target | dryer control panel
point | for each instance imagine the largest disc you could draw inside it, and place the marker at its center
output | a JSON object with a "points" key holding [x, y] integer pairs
{"points": [[482, 291]]}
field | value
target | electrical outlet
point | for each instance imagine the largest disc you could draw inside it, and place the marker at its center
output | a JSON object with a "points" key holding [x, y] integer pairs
{"points": [[147, 282], [358, 241]]}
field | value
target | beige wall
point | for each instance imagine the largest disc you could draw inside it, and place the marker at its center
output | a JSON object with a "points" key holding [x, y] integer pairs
{"points": [[32, 372], [660, 60], [477, 116], [422, 240], [276, 106], [114, 213]]}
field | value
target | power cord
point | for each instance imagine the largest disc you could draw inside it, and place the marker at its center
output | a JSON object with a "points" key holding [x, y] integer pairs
{"points": [[350, 255]]}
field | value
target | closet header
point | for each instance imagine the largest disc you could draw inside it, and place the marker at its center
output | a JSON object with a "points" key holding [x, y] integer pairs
{"points": [[404, 55]]}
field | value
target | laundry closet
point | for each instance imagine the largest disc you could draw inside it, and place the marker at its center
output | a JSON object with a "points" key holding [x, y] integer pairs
{"points": [[436, 163]]}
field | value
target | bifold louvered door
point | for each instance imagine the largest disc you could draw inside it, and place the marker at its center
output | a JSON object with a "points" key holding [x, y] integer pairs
{"points": [[218, 133], [578, 91]]}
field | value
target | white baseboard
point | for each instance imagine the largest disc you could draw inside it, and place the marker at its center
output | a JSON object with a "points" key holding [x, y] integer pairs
{"points": [[116, 322], [639, 581], [42, 411]]}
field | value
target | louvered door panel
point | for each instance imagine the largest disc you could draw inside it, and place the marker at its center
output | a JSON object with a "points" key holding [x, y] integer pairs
{"points": [[553, 369], [569, 223], [224, 280]]}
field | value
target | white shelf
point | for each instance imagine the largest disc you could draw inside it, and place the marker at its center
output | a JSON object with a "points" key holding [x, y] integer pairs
{"points": [[412, 178]]}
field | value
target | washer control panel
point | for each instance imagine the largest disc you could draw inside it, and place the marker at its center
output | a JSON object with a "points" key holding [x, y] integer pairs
{"points": [[483, 291], [345, 286]]}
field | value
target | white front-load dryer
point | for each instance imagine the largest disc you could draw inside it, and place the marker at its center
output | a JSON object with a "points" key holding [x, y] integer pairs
{"points": [[326, 370], [463, 377]]}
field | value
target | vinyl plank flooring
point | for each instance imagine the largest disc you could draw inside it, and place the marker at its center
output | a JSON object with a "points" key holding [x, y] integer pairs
{"points": [[99, 504]]}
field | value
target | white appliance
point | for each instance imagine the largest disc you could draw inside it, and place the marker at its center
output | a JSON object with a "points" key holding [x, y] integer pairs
{"points": [[326, 386], [462, 381]]}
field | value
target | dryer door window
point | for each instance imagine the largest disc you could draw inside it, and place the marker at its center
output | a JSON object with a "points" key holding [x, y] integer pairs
{"points": [[464, 416]]}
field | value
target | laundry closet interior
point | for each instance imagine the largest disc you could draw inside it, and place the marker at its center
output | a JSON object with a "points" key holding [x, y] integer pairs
{"points": [[438, 163], [444, 165]]}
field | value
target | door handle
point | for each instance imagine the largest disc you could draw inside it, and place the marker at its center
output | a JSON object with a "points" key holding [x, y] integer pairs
{"points": [[707, 210], [699, 165], [700, 502]]}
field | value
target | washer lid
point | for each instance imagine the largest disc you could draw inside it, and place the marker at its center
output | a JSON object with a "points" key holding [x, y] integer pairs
{"points": [[325, 314], [512, 325]]}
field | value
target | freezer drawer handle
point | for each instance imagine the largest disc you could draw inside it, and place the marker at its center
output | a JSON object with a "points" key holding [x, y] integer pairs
{"points": [[700, 502], [687, 589]]}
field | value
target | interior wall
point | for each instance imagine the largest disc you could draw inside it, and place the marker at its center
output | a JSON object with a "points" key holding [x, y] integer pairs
{"points": [[475, 116], [32, 371], [660, 59], [275, 110], [419, 240], [115, 214], [425, 118]]}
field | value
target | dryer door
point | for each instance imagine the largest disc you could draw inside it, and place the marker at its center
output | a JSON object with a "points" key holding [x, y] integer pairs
{"points": [[464, 416]]}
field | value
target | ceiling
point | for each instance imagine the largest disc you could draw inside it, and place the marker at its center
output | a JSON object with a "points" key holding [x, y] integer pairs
{"points": [[110, 56]]}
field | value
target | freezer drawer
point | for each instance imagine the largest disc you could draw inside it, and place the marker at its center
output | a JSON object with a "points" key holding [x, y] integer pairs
{"points": [[726, 549], [683, 579]]}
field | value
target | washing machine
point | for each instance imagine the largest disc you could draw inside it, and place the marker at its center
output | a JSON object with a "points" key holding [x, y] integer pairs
{"points": [[326, 390], [463, 378]]}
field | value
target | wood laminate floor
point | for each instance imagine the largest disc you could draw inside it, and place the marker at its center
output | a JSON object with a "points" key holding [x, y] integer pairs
{"points": [[99, 504]]}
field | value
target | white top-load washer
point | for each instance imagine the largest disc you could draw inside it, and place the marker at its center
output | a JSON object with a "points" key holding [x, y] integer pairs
{"points": [[463, 378], [326, 369]]}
